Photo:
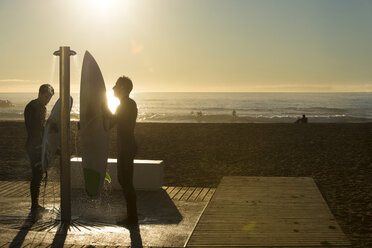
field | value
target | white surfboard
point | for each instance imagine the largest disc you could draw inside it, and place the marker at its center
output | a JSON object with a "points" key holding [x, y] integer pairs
{"points": [[51, 138], [93, 129]]}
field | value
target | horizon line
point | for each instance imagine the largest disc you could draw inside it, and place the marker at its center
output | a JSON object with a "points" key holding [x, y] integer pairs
{"points": [[321, 92]]}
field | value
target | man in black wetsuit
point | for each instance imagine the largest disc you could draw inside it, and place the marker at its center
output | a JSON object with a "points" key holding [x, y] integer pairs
{"points": [[125, 120], [34, 114]]}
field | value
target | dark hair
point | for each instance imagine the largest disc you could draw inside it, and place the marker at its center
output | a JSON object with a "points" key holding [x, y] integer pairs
{"points": [[46, 88], [126, 82]]}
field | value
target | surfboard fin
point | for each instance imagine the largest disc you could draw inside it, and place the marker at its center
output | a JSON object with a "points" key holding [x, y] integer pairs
{"points": [[108, 178]]}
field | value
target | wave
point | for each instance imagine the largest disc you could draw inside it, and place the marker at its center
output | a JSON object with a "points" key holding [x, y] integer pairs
{"points": [[248, 119], [228, 109], [323, 110], [218, 107], [220, 118]]}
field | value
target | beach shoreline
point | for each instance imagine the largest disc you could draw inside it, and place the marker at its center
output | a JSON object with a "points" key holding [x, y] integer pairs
{"points": [[336, 155]]}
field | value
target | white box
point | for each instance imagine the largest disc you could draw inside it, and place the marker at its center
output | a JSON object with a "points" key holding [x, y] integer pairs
{"points": [[147, 174]]}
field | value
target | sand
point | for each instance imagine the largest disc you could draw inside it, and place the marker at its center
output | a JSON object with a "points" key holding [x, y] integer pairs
{"points": [[337, 156]]}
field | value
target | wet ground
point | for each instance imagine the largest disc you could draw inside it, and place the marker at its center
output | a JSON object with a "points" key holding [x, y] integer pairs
{"points": [[162, 221]]}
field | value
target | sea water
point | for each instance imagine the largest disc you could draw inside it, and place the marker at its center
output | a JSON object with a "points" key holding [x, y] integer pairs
{"points": [[219, 107]]}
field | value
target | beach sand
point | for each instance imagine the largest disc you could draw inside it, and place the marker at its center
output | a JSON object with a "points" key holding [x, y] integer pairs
{"points": [[337, 156]]}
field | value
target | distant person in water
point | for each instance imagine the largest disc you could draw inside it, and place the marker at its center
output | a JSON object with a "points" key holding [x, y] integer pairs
{"points": [[302, 120], [34, 115], [234, 114], [125, 121]]}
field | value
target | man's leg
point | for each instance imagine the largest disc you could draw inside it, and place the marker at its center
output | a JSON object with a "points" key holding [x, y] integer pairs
{"points": [[125, 177], [37, 175]]}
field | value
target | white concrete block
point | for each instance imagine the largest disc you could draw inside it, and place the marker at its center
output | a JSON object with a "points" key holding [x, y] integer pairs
{"points": [[147, 175]]}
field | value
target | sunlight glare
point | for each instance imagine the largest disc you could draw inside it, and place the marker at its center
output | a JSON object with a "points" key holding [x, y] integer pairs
{"points": [[102, 6], [112, 101]]}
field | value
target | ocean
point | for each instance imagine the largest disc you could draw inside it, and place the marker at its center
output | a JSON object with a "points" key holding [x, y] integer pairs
{"points": [[219, 107]]}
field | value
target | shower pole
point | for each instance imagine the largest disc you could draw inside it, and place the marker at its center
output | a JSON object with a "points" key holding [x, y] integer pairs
{"points": [[64, 54]]}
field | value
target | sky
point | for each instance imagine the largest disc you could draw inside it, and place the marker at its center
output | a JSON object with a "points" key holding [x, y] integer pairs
{"points": [[191, 45]]}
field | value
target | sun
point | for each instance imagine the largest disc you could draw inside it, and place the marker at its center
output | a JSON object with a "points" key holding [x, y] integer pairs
{"points": [[102, 4], [100, 7], [112, 101]]}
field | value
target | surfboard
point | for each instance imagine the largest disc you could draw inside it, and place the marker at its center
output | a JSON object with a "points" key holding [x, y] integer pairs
{"points": [[94, 133], [51, 138]]}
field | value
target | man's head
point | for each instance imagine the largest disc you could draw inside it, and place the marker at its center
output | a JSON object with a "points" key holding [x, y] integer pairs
{"points": [[123, 87], [46, 92]]}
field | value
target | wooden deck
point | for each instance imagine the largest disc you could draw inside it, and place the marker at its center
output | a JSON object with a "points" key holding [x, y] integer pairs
{"points": [[22, 189], [242, 212], [267, 212], [167, 217]]}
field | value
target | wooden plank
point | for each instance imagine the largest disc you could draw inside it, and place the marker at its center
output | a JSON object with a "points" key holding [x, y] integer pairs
{"points": [[55, 189], [7, 186], [174, 192], [187, 194], [170, 189], [44, 245], [26, 244], [209, 195], [256, 224], [19, 187], [71, 245], [180, 193], [15, 187], [191, 193], [238, 215], [23, 191], [202, 194], [49, 190], [4, 244], [52, 189], [6, 191], [195, 194], [3, 183]]}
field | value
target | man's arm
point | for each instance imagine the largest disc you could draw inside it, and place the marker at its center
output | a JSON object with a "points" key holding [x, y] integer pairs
{"points": [[33, 124], [133, 115]]}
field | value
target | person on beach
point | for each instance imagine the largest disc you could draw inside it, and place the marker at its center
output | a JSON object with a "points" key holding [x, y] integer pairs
{"points": [[302, 120], [234, 115], [125, 121], [34, 115]]}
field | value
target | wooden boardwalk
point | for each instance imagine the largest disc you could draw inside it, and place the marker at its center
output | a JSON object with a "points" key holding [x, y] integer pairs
{"points": [[242, 212], [267, 212], [22, 189], [167, 217]]}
